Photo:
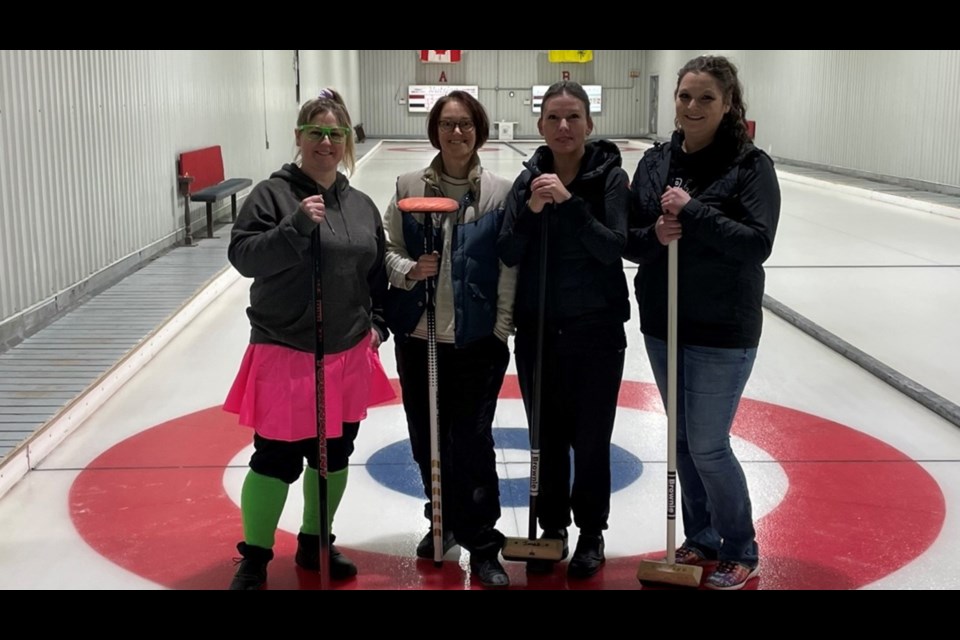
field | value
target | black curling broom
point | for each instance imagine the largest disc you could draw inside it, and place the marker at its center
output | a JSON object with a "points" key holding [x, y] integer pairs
{"points": [[532, 548], [428, 206], [321, 412]]}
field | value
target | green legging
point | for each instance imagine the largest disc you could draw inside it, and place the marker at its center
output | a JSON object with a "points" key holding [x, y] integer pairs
{"points": [[262, 500]]}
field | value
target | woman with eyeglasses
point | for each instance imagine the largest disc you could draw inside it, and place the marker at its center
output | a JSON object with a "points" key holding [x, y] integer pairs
{"points": [[275, 391], [577, 188], [474, 307]]}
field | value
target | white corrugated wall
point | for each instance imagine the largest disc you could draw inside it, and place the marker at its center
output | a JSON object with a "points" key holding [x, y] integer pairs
{"points": [[883, 113], [336, 69], [498, 73], [88, 149], [89, 139]]}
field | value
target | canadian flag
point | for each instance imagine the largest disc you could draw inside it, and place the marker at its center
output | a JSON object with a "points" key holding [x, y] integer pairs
{"points": [[440, 56]]}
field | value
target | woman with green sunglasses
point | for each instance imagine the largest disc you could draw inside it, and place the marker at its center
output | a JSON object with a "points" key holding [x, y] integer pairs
{"points": [[275, 390]]}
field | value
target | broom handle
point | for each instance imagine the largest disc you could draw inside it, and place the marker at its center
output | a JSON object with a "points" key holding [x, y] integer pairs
{"points": [[436, 503], [321, 412], [538, 381], [672, 284]]}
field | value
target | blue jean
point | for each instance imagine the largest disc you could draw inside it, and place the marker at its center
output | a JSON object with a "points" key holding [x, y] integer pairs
{"points": [[717, 514]]}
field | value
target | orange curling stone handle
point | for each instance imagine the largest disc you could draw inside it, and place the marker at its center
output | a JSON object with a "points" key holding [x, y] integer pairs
{"points": [[428, 205]]}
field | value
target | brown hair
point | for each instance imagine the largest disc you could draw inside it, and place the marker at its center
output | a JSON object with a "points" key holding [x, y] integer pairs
{"points": [[572, 89], [329, 101], [481, 123], [725, 73]]}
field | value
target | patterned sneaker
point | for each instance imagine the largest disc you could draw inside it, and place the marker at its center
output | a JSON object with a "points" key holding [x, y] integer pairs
{"points": [[731, 576], [692, 555]]}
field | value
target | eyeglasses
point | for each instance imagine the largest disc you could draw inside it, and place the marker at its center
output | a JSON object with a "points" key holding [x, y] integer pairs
{"points": [[449, 125], [316, 133]]}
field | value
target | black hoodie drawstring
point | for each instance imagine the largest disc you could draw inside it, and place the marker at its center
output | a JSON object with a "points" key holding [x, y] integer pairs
{"points": [[330, 226]]}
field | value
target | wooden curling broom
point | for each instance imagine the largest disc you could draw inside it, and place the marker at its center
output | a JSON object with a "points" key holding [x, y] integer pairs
{"points": [[668, 571]]}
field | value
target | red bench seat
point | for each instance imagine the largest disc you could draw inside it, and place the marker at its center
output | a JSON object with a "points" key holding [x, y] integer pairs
{"points": [[201, 173]]}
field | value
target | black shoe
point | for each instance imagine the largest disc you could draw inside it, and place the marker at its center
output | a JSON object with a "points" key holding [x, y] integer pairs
{"points": [[490, 572], [588, 558], [425, 548], [252, 568], [308, 557], [341, 567], [546, 566]]}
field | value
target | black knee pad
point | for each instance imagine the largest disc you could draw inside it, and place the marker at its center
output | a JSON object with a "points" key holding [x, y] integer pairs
{"points": [[277, 459]]}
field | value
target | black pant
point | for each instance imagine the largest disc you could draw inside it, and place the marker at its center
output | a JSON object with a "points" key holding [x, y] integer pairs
{"points": [[284, 460], [469, 381], [582, 370]]}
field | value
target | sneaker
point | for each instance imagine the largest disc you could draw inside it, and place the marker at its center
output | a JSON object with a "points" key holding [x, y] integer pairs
{"points": [[425, 548], [251, 568], [588, 558], [546, 566], [692, 555], [490, 572], [731, 576], [308, 557]]}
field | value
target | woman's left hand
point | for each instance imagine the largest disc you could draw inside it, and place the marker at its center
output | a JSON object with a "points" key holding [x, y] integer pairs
{"points": [[674, 200], [374, 339], [549, 188]]}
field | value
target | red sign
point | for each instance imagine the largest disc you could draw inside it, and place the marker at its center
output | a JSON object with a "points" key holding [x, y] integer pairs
{"points": [[440, 55]]}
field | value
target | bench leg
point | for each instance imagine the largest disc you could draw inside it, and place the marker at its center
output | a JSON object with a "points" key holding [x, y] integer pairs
{"points": [[233, 207], [209, 219], [188, 237]]}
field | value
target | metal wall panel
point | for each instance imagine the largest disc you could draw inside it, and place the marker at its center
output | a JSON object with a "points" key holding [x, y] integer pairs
{"points": [[386, 74], [888, 114], [89, 139], [339, 70], [88, 149]]}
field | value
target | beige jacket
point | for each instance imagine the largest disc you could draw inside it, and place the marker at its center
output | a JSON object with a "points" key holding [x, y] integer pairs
{"points": [[489, 193]]}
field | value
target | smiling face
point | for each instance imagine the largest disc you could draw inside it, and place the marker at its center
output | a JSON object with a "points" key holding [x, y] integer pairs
{"points": [[700, 105], [320, 158], [456, 145], [565, 124]]}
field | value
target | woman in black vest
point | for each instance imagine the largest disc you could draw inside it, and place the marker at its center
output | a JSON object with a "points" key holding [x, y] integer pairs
{"points": [[579, 190], [714, 189]]}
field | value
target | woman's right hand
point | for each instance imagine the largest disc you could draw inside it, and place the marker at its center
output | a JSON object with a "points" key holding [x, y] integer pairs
{"points": [[313, 206], [668, 229], [428, 265]]}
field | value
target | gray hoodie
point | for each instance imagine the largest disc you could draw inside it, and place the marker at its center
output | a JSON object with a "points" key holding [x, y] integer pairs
{"points": [[271, 244]]}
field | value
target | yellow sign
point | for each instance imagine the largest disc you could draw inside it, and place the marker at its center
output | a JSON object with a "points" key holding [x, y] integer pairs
{"points": [[570, 56]]}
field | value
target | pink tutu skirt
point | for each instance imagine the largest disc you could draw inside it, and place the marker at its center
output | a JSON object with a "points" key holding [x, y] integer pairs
{"points": [[274, 390]]}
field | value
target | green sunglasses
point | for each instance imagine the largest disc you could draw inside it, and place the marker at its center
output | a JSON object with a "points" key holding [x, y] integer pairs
{"points": [[316, 133]]}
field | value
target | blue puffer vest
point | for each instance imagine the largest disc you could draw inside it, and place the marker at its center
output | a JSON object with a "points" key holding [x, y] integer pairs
{"points": [[475, 270]]}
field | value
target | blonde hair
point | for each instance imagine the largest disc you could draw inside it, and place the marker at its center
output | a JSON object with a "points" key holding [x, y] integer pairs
{"points": [[329, 101]]}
